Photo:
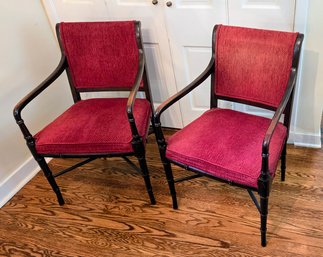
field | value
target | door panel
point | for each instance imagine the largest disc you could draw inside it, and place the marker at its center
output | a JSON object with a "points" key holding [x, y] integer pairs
{"points": [[172, 117], [195, 60], [267, 14]]}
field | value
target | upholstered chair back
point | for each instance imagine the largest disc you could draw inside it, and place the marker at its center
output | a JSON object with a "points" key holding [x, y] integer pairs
{"points": [[101, 54], [253, 64]]}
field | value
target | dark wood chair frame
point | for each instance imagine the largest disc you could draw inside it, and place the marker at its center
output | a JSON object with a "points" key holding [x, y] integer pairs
{"points": [[265, 179], [137, 141]]}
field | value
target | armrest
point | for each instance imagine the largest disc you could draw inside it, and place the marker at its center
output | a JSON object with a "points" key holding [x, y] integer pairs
{"points": [[167, 103], [34, 93], [279, 111], [40, 88], [133, 93]]}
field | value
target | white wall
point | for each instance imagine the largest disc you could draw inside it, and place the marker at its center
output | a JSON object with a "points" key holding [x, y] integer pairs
{"points": [[28, 54], [311, 91]]}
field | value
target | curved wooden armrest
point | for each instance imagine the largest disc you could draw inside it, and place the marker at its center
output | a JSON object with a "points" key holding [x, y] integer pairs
{"points": [[33, 94], [40, 88], [280, 110], [133, 93], [167, 103]]}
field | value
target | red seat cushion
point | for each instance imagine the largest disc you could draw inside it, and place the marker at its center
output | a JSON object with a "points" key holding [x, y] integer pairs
{"points": [[94, 126], [227, 144]]}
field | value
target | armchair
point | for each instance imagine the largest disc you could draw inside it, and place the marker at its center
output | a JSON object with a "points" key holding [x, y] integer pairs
{"points": [[97, 56], [249, 66]]}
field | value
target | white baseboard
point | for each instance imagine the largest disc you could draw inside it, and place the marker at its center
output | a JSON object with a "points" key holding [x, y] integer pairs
{"points": [[305, 139], [17, 180]]}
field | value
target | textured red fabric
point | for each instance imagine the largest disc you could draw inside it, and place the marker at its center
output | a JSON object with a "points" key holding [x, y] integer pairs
{"points": [[253, 64], [227, 144], [101, 54], [94, 126]]}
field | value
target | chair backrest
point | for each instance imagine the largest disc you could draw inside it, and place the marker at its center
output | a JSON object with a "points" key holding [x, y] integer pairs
{"points": [[252, 65], [100, 55]]}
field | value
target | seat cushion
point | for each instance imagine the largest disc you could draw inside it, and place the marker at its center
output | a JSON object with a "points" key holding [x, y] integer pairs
{"points": [[227, 144], [94, 126]]}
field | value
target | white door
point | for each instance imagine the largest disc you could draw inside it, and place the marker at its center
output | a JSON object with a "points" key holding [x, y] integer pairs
{"points": [[159, 62], [189, 25], [266, 14]]}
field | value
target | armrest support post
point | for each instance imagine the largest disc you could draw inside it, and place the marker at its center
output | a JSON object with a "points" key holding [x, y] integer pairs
{"points": [[132, 97]]}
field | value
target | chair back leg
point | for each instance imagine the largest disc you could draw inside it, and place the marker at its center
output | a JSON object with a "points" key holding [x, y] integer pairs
{"points": [[49, 175]]}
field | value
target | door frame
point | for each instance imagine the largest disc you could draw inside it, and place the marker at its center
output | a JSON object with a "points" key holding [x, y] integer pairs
{"points": [[300, 24]]}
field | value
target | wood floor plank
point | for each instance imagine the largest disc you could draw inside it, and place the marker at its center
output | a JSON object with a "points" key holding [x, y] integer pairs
{"points": [[107, 213]]}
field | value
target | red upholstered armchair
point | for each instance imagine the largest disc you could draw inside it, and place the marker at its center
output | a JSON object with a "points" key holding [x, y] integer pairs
{"points": [[97, 56], [249, 66]]}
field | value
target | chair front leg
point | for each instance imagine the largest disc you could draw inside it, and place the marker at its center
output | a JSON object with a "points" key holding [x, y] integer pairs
{"points": [[283, 162], [167, 166], [264, 181], [145, 172], [139, 150], [30, 141], [263, 219], [170, 180], [49, 175]]}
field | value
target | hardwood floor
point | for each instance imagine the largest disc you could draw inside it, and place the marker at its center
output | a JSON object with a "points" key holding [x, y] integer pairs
{"points": [[107, 213]]}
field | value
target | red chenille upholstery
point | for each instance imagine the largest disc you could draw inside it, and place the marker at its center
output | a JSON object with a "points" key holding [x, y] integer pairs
{"points": [[253, 64], [101, 54], [94, 126], [236, 154]]}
